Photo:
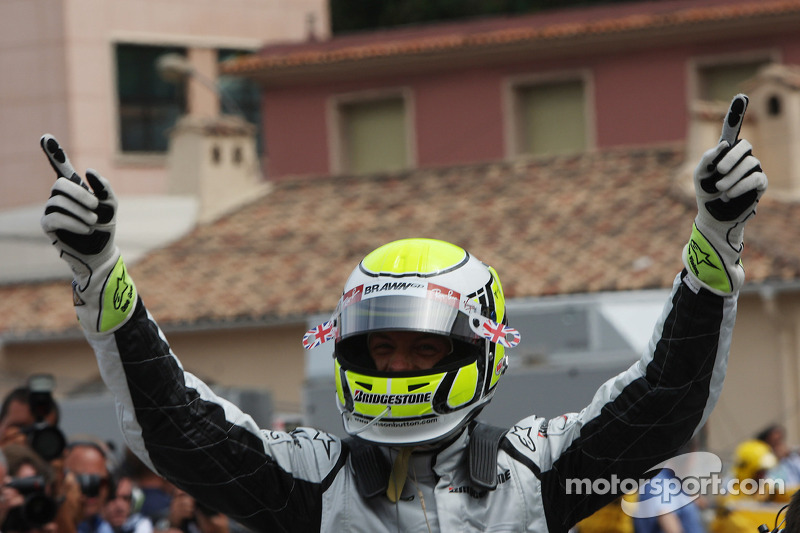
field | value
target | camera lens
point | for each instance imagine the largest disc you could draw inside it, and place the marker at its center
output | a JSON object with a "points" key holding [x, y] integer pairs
{"points": [[39, 509], [36, 510], [47, 441], [91, 484], [40, 397]]}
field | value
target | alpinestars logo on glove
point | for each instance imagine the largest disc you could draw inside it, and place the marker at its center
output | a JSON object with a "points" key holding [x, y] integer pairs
{"points": [[698, 257], [706, 263], [119, 297], [123, 293]]}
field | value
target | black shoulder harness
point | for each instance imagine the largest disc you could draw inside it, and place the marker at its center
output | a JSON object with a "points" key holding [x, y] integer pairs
{"points": [[483, 444], [371, 467]]}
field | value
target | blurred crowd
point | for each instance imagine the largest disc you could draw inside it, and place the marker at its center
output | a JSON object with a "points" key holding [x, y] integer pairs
{"points": [[83, 485], [764, 470], [52, 484]]}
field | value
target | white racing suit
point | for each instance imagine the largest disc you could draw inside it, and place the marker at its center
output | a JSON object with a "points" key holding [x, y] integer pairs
{"points": [[309, 480]]}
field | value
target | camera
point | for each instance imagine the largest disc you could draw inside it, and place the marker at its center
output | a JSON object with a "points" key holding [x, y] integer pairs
{"points": [[46, 440], [91, 484], [38, 508]]}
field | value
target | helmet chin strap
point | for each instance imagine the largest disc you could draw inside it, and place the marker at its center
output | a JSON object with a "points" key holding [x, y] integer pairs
{"points": [[371, 422]]}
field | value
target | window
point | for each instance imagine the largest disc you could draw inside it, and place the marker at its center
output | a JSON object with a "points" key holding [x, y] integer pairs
{"points": [[245, 95], [551, 118], [373, 135], [720, 82], [148, 105]]}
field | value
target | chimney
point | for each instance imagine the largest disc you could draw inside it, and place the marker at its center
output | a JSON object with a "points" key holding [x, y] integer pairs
{"points": [[215, 160], [772, 125], [311, 27], [775, 104]]}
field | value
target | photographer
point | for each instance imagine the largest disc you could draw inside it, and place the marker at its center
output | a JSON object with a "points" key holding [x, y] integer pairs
{"points": [[29, 415], [27, 494], [86, 463], [186, 515]]}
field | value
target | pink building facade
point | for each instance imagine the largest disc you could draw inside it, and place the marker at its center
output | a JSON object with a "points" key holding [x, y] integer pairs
{"points": [[642, 67]]}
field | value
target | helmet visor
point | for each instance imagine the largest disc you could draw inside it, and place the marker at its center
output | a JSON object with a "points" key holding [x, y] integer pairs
{"points": [[409, 313]]}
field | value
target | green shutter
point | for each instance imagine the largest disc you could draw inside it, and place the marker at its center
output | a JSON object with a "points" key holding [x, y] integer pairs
{"points": [[553, 118], [375, 136]]}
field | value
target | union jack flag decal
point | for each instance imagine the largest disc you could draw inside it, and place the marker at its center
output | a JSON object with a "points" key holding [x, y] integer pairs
{"points": [[496, 333], [316, 336]]}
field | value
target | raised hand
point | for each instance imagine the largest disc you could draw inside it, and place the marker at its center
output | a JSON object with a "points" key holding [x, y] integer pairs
{"points": [[81, 222], [728, 184]]}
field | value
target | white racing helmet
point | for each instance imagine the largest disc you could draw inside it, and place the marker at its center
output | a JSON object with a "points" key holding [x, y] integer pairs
{"points": [[427, 286]]}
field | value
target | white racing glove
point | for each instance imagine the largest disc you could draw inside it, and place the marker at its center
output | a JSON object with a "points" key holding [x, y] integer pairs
{"points": [[81, 224], [728, 183]]}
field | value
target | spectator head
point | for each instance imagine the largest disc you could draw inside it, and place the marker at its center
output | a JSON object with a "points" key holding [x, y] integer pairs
{"points": [[22, 461], [752, 459], [21, 412], [120, 503], [87, 461], [792, 518], [34, 508], [775, 436]]}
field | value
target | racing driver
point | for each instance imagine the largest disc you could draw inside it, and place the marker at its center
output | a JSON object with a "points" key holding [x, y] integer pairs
{"points": [[420, 336]]}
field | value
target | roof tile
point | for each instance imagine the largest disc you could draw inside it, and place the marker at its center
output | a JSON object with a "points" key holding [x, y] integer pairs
{"points": [[545, 26]]}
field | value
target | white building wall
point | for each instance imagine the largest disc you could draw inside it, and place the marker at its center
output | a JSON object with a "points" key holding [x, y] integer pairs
{"points": [[58, 75]]}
